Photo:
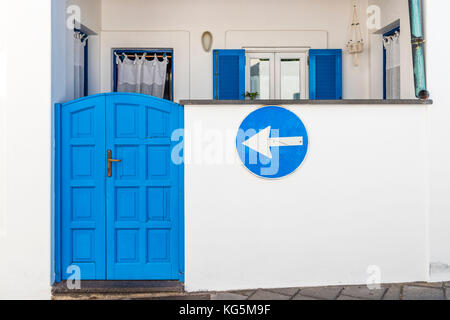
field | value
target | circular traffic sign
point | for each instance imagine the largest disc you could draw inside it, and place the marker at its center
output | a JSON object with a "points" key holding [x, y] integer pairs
{"points": [[272, 142]]}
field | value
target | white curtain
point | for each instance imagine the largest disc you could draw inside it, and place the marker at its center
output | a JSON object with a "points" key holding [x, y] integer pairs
{"points": [[142, 76], [79, 44], [392, 46], [129, 74]]}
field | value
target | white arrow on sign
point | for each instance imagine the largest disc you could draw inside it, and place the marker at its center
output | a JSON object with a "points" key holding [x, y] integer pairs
{"points": [[262, 142]]}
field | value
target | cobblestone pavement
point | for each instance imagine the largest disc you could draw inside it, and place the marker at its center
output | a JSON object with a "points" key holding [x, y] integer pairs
{"points": [[410, 291]]}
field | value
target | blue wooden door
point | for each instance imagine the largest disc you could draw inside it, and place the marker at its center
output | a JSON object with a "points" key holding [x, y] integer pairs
{"points": [[143, 191], [83, 188], [124, 223]]}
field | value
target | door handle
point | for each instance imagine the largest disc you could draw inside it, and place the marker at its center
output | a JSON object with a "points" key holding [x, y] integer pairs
{"points": [[109, 162]]}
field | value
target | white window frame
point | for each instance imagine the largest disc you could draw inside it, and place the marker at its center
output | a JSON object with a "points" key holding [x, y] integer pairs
{"points": [[275, 55], [304, 87], [261, 55]]}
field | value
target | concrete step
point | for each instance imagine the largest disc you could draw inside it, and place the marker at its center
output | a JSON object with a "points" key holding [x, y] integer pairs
{"points": [[119, 287], [131, 296]]}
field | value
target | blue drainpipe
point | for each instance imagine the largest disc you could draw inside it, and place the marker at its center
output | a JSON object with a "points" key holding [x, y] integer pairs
{"points": [[417, 41]]}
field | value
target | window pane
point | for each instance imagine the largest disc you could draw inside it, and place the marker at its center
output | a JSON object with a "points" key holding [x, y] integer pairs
{"points": [[260, 77], [290, 79]]}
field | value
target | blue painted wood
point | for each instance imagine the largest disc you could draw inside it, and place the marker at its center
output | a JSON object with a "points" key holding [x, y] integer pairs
{"points": [[325, 74], [143, 194], [181, 209], [229, 74], [83, 187], [129, 226], [86, 68], [56, 209]]}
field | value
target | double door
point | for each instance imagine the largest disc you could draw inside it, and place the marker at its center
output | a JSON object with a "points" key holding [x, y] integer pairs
{"points": [[121, 191]]}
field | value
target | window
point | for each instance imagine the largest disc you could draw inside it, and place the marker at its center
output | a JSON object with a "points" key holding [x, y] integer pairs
{"points": [[391, 64], [260, 74], [290, 76], [277, 74], [140, 82]]}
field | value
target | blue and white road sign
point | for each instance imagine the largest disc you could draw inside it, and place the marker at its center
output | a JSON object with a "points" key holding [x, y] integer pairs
{"points": [[272, 142]]}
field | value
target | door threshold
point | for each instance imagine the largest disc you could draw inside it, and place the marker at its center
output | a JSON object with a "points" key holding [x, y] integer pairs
{"points": [[119, 287]]}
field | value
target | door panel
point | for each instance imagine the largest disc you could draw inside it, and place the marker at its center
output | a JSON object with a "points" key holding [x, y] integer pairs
{"points": [[143, 192], [83, 187]]}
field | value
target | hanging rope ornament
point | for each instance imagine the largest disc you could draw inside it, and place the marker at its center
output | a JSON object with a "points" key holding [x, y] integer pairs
{"points": [[356, 44]]}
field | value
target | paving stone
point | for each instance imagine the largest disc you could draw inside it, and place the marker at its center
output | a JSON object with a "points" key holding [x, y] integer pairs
{"points": [[300, 297], [411, 291], [267, 295], [188, 297], [341, 297], [428, 284], [285, 291], [247, 293], [393, 293], [326, 293], [228, 296], [422, 293], [363, 292]]}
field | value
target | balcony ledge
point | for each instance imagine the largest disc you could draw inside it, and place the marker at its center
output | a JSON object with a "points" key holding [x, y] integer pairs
{"points": [[308, 102]]}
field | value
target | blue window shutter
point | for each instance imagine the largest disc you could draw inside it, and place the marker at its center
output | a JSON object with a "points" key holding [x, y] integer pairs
{"points": [[229, 74], [325, 74]]}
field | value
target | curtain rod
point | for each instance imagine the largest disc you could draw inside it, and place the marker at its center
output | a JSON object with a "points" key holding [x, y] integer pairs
{"points": [[129, 55]]}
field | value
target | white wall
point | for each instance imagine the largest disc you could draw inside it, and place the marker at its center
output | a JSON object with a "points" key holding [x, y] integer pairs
{"points": [[402, 231], [366, 154], [438, 71], [26, 165], [358, 200], [3, 140], [392, 10], [223, 17]]}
